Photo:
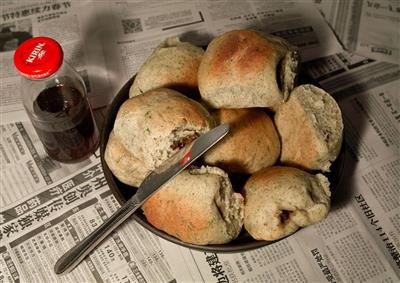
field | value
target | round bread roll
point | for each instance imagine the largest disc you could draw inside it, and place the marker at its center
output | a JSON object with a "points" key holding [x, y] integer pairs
{"points": [[123, 164], [310, 126], [198, 206], [279, 200], [173, 64], [251, 144], [155, 125], [244, 68]]}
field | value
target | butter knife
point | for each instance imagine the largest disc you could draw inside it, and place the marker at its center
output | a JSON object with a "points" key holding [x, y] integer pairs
{"points": [[151, 184]]}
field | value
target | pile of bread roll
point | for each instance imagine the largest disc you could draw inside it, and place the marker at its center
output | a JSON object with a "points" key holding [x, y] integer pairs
{"points": [[281, 135]]}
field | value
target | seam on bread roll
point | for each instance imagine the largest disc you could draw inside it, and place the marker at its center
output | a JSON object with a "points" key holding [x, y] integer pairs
{"points": [[198, 206], [289, 69], [229, 204]]}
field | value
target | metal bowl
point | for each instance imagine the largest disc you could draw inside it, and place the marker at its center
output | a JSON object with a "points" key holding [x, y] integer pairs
{"points": [[123, 192]]}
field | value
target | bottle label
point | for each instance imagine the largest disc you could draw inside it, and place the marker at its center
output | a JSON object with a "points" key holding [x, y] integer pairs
{"points": [[36, 52]]}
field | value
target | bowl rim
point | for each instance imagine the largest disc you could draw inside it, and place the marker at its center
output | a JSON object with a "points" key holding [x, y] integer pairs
{"points": [[231, 247]]}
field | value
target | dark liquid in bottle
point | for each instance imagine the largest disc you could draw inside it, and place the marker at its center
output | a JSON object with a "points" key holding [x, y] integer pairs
{"points": [[65, 124]]}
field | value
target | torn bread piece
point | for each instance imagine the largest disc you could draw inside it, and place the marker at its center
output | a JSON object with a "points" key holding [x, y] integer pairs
{"points": [[198, 206], [280, 200], [310, 127]]}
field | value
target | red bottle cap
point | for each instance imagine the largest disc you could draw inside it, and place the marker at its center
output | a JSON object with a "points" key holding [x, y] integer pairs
{"points": [[38, 57]]}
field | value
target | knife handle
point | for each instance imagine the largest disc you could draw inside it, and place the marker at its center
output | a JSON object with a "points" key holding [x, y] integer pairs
{"points": [[76, 254]]}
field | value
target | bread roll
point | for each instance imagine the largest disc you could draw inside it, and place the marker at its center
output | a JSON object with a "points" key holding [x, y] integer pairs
{"points": [[155, 125], [198, 206], [279, 200], [251, 144], [310, 127], [123, 164], [173, 64], [244, 68]]}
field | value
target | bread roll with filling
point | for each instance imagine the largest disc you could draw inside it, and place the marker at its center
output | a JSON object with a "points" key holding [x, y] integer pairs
{"points": [[245, 68], [173, 64], [251, 144], [198, 206], [155, 125], [310, 126], [279, 200]]}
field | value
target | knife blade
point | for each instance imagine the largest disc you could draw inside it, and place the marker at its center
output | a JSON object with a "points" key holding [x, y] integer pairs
{"points": [[151, 184]]}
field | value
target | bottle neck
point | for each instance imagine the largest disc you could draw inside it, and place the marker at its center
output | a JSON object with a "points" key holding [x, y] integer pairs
{"points": [[65, 78]]}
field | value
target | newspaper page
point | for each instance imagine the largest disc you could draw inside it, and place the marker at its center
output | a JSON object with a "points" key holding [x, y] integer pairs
{"points": [[24, 164], [359, 240], [37, 230], [368, 27], [46, 207], [74, 25], [135, 29], [298, 22]]}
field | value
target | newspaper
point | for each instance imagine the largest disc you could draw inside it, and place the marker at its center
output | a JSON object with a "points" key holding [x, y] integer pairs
{"points": [[25, 166], [46, 206], [360, 239], [38, 229], [137, 29], [368, 27]]}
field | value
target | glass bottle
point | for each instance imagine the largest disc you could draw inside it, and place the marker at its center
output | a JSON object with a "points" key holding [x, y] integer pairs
{"points": [[55, 99]]}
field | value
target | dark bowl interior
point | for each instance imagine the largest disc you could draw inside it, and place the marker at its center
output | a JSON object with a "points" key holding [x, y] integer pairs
{"points": [[123, 192]]}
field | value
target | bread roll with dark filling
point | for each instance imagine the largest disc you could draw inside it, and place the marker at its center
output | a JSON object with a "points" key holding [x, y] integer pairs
{"points": [[198, 206], [245, 68], [149, 129], [155, 125], [280, 200]]}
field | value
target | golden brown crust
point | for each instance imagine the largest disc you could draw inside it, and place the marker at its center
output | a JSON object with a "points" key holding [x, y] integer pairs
{"points": [[252, 142], [189, 207], [175, 216], [239, 70], [247, 55]]}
